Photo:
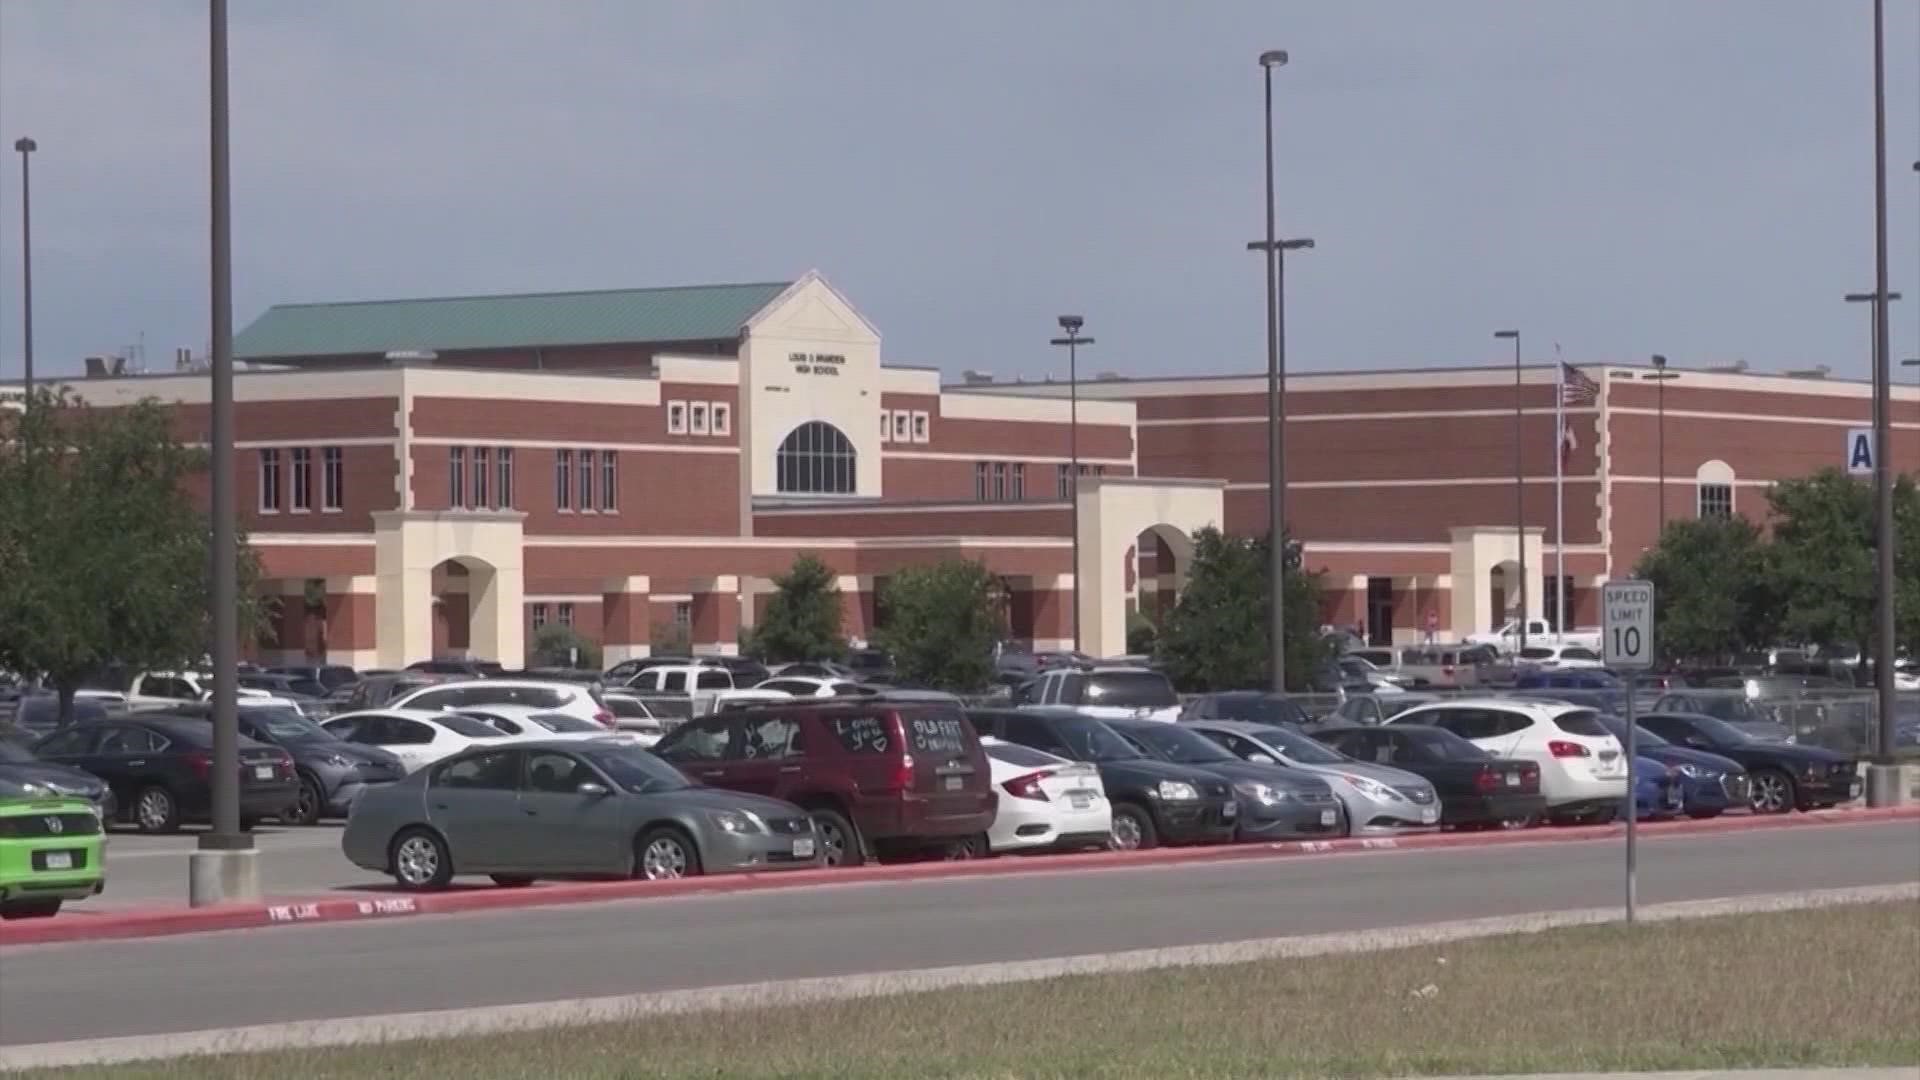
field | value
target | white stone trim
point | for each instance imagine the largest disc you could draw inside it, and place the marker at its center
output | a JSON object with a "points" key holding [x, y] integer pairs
{"points": [[995, 455], [797, 543], [196, 389], [1457, 481], [920, 381], [275, 539], [563, 598], [1047, 408], [570, 444], [1350, 417], [1758, 417], [530, 385], [669, 598], [920, 508], [708, 370], [354, 585]]}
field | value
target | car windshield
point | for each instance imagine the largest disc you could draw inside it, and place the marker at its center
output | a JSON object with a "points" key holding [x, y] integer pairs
{"points": [[1130, 690], [468, 726], [1298, 747], [1090, 740], [287, 725], [1259, 709], [1618, 729], [1180, 744], [1720, 732], [637, 771], [562, 723]]}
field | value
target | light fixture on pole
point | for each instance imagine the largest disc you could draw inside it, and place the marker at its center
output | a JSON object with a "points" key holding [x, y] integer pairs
{"points": [[26, 147], [1519, 483], [1660, 377], [1072, 341]]}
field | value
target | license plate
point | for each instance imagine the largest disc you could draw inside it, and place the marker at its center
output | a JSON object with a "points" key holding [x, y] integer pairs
{"points": [[263, 772], [953, 783], [1329, 817], [59, 860], [1513, 779], [1429, 815], [803, 849], [1079, 802], [1853, 789]]}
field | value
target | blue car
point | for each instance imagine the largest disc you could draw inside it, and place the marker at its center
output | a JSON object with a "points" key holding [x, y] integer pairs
{"points": [[1709, 784], [1657, 791]]}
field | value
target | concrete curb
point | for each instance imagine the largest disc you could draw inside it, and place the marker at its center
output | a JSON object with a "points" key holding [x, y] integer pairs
{"points": [[457, 1023], [166, 921]]}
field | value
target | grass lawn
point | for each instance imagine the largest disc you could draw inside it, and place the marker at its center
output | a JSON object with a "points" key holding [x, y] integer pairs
{"points": [[1824, 987]]}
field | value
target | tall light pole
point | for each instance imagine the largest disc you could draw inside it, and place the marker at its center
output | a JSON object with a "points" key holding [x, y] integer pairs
{"points": [[1071, 324], [1660, 377], [225, 867], [1519, 479], [26, 147], [1883, 778]]}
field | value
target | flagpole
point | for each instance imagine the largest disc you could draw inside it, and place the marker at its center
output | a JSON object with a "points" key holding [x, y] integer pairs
{"points": [[1560, 501]]}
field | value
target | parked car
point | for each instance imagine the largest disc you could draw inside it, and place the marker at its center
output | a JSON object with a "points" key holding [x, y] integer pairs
{"points": [[1658, 790], [533, 722], [1593, 678], [570, 698], [1377, 798], [1109, 693], [1367, 710], [332, 772], [805, 686], [376, 689], [1507, 637], [1733, 706], [1475, 789], [418, 737], [1276, 802], [1154, 802], [1362, 673], [1015, 662], [871, 666], [1045, 802], [31, 777], [876, 776], [296, 687], [1559, 654], [1781, 776], [814, 669], [1583, 772], [1710, 784], [538, 809], [330, 676], [1450, 667], [1256, 706], [51, 851], [647, 714], [719, 701], [40, 712], [160, 768], [457, 665]]}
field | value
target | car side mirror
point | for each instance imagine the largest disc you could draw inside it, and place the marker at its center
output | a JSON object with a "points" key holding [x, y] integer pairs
{"points": [[1261, 759], [592, 790]]}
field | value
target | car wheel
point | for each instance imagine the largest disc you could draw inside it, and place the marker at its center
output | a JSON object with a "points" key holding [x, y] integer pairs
{"points": [[665, 855], [1132, 829], [155, 811], [839, 841], [307, 806], [1516, 824], [30, 909], [420, 861], [1771, 792], [511, 881], [973, 847]]}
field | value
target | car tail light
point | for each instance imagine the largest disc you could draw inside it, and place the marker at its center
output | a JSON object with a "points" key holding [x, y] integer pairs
{"points": [[1530, 777], [1027, 787], [1487, 780], [201, 763], [605, 719], [902, 779], [1560, 748], [1447, 670]]}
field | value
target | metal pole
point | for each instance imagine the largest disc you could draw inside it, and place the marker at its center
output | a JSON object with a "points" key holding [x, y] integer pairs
{"points": [[26, 147], [1660, 399], [1276, 491], [1073, 451], [225, 834], [1559, 498], [1633, 773], [1882, 435], [1520, 487]]}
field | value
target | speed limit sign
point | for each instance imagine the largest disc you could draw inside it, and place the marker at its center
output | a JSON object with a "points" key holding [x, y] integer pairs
{"points": [[1626, 637]]}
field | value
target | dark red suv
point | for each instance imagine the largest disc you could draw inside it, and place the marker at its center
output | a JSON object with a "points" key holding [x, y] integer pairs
{"points": [[878, 777]]}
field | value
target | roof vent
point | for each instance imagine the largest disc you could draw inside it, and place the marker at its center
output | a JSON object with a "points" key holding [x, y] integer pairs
{"points": [[1819, 372], [1736, 368], [412, 355], [976, 378], [1107, 376]]}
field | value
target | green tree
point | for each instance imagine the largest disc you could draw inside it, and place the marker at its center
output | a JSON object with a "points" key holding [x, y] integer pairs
{"points": [[559, 645], [1216, 636], [1143, 635], [802, 619], [942, 622], [1711, 579], [104, 559], [1820, 563]]}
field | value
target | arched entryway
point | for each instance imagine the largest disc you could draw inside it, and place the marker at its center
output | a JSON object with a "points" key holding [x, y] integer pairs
{"points": [[1162, 557], [1118, 515], [462, 587], [1506, 594], [449, 582]]}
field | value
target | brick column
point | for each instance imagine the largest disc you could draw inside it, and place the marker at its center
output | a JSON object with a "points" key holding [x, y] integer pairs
{"points": [[716, 616], [625, 630], [350, 621]]}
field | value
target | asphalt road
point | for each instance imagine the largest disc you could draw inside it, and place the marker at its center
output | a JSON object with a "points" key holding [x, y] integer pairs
{"points": [[93, 990], [142, 870]]}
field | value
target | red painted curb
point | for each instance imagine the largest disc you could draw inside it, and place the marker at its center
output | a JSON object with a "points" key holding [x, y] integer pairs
{"points": [[159, 922]]}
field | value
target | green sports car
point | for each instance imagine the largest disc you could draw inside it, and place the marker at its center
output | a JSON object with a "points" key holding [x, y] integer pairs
{"points": [[51, 851]]}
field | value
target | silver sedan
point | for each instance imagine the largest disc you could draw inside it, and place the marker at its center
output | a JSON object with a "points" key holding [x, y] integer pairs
{"points": [[1378, 798], [552, 809]]}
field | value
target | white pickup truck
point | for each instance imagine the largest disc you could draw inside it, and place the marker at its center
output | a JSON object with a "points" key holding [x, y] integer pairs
{"points": [[1507, 638]]}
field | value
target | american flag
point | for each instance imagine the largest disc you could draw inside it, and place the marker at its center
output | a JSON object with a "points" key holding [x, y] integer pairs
{"points": [[1575, 387]]}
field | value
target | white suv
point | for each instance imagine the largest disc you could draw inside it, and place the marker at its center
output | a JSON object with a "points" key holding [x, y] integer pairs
{"points": [[574, 699], [1583, 770], [1108, 693], [159, 689]]}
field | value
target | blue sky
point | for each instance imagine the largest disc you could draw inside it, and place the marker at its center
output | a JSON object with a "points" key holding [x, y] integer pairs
{"points": [[1623, 178]]}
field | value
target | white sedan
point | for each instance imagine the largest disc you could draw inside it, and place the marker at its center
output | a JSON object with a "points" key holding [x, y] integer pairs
{"points": [[416, 736], [1583, 772], [1562, 657], [528, 722], [811, 686], [1046, 802]]}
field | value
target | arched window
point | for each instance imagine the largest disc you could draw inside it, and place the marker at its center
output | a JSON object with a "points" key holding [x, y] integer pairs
{"points": [[816, 459], [1713, 487]]}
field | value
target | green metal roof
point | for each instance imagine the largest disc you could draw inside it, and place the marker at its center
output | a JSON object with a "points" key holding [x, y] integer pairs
{"points": [[686, 313]]}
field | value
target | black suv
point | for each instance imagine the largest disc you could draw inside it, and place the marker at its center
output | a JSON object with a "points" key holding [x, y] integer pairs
{"points": [[1154, 802]]}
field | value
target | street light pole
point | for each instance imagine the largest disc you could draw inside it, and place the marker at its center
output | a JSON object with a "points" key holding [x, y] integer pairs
{"points": [[225, 867], [1071, 324], [1660, 377], [1276, 415], [1884, 792], [1519, 481], [26, 147]]}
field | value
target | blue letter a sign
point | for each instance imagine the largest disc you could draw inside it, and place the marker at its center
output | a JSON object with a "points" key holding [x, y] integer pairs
{"points": [[1859, 450]]}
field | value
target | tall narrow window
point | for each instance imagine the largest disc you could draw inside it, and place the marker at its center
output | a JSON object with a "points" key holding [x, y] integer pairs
{"points": [[539, 616], [302, 479], [816, 458], [609, 482], [722, 419], [270, 481], [503, 489], [1019, 489], [563, 479], [333, 479], [1063, 481], [697, 418], [1713, 486], [999, 481], [456, 476], [566, 613], [979, 481], [482, 465], [586, 481]]}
